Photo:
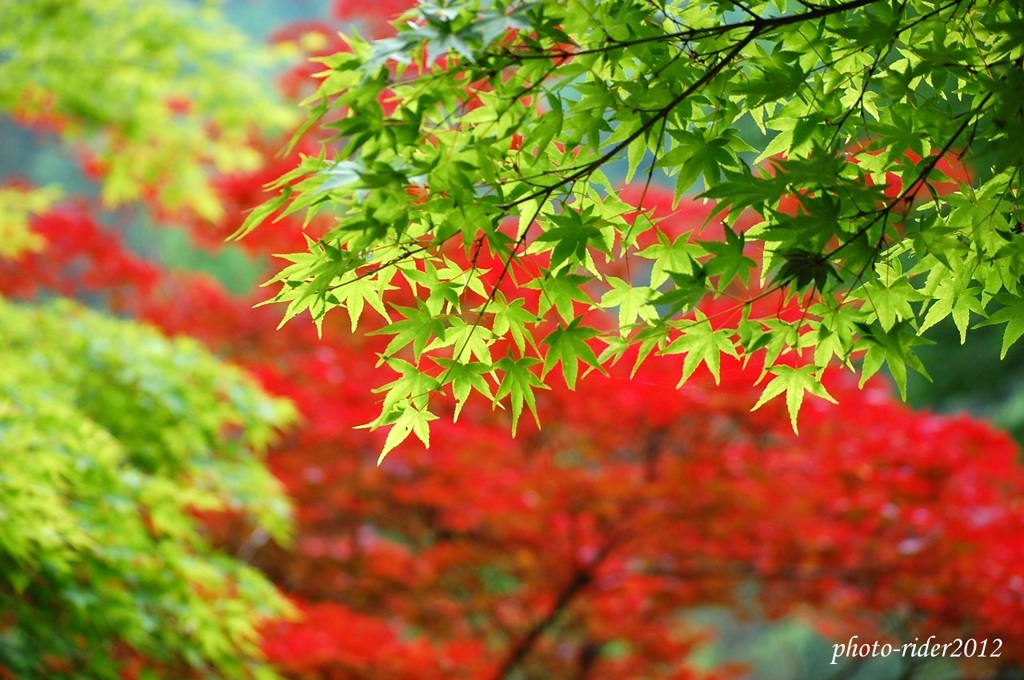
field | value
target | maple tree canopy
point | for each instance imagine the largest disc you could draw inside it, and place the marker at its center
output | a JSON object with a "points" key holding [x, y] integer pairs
{"points": [[111, 439], [861, 154]]}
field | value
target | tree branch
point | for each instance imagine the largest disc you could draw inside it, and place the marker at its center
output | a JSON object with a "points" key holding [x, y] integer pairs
{"points": [[584, 576]]}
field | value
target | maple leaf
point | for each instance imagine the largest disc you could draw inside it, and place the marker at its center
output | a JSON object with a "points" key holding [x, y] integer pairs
{"points": [[701, 344], [1013, 316], [518, 383], [795, 382]]}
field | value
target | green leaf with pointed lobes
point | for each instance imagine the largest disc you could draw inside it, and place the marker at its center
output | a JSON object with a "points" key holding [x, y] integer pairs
{"points": [[794, 382], [633, 302], [1013, 316], [701, 344], [670, 256], [569, 345], [464, 377], [518, 382], [728, 263]]}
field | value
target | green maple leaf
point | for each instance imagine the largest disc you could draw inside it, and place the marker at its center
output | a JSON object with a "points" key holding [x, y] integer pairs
{"points": [[952, 299], [672, 257], [631, 300], [574, 233], [412, 388], [702, 344], [512, 318], [418, 328], [893, 347], [355, 291], [405, 406], [1013, 316], [569, 346], [729, 263], [518, 383], [891, 300], [560, 291], [465, 377], [795, 382], [689, 290], [410, 421]]}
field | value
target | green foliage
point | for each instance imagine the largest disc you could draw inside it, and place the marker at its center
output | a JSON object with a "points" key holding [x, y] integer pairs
{"points": [[836, 128], [144, 84], [17, 205], [111, 438]]}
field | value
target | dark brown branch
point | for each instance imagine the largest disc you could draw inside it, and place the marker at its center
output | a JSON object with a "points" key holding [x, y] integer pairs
{"points": [[583, 577], [758, 23], [648, 125], [522, 648]]}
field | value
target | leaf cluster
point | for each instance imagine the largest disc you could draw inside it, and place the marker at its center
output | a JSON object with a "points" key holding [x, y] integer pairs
{"points": [[860, 152]]}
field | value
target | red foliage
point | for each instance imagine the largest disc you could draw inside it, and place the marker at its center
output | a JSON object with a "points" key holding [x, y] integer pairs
{"points": [[376, 20], [81, 259]]}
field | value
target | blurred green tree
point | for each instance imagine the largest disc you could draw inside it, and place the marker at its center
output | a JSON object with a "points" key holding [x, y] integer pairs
{"points": [[111, 439], [114, 440], [159, 95]]}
